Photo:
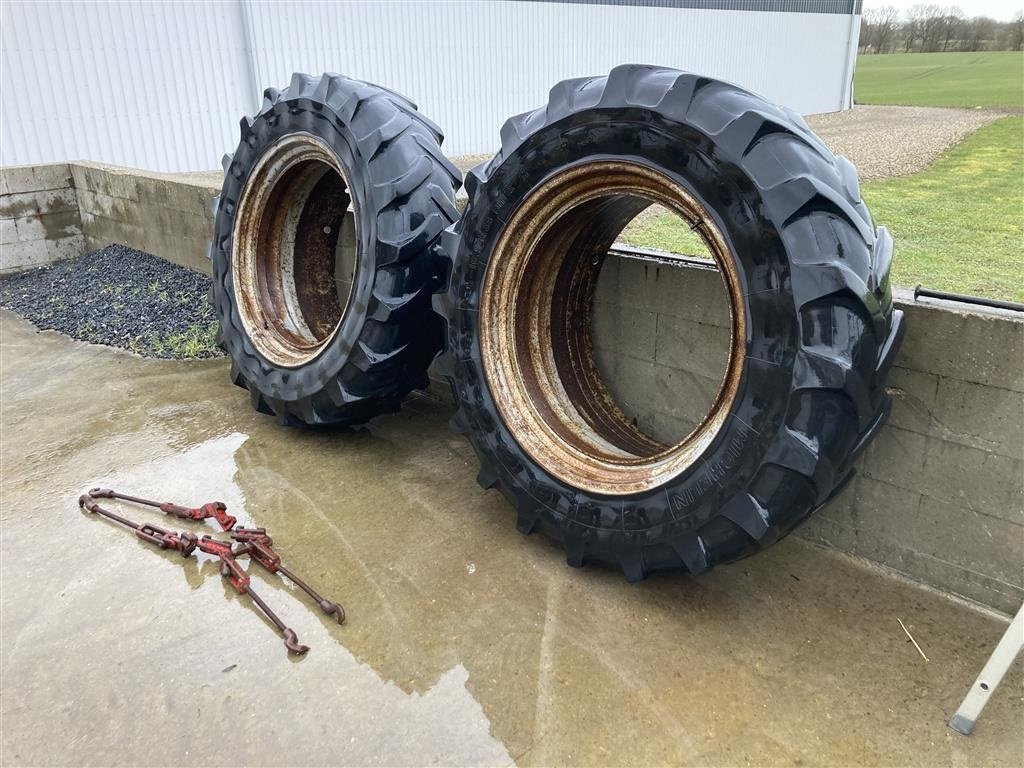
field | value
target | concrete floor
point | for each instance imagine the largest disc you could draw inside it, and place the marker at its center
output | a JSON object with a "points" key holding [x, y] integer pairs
{"points": [[466, 643]]}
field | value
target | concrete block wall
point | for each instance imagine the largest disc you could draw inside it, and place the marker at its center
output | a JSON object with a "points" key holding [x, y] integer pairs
{"points": [[39, 218], [661, 340], [164, 214], [939, 495]]}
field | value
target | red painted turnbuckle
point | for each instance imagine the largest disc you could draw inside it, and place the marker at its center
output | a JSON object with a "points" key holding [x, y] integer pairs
{"points": [[251, 542], [232, 570], [261, 549], [215, 509], [182, 541]]}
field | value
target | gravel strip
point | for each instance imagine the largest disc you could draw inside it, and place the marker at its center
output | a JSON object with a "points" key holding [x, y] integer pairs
{"points": [[467, 162], [881, 141], [122, 298], [884, 142]]}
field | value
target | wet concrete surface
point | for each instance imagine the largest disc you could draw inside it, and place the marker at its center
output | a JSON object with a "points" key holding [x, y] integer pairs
{"points": [[466, 643]]}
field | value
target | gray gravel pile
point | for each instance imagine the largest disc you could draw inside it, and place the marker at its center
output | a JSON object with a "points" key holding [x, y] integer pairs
{"points": [[122, 298], [896, 141]]}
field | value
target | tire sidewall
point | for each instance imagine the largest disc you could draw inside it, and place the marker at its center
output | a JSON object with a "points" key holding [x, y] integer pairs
{"points": [[729, 465], [321, 122]]}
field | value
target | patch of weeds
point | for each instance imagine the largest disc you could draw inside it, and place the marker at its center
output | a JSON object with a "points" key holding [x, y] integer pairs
{"points": [[197, 340], [112, 289]]}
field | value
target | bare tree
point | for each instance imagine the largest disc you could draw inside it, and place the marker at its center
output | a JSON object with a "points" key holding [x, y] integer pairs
{"points": [[978, 32], [1016, 40], [886, 21], [930, 26], [951, 22], [911, 31], [926, 23], [864, 41]]}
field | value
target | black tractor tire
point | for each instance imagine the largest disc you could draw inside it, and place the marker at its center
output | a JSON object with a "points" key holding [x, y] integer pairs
{"points": [[821, 331], [402, 190]]}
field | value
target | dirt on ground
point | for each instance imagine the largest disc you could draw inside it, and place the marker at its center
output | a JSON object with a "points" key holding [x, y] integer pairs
{"points": [[882, 141]]}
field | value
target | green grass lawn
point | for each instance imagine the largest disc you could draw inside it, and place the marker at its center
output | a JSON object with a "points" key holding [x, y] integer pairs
{"points": [[986, 79], [958, 226]]}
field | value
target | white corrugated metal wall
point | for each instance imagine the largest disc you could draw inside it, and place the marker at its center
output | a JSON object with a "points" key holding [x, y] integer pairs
{"points": [[162, 85]]}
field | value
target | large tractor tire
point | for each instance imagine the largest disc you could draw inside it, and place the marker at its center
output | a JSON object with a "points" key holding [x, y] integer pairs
{"points": [[326, 316], [813, 328]]}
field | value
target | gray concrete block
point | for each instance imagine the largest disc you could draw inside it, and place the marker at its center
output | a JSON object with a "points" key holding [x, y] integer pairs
{"points": [[896, 457], [94, 242], [153, 191], [30, 228], [106, 205], [56, 201], [986, 418], [983, 544], [913, 394], [668, 428], [616, 327], [607, 290], [17, 179], [185, 251], [8, 231], [60, 225], [174, 223], [52, 176], [972, 346], [191, 198], [956, 550], [18, 205], [973, 479], [684, 292], [665, 402], [85, 177], [640, 385], [65, 248], [100, 231], [918, 566], [692, 346], [17, 256], [123, 185], [983, 417], [105, 180]]}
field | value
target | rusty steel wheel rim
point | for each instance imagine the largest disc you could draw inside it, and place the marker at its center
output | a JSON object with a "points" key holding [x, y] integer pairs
{"points": [[535, 338], [291, 285]]}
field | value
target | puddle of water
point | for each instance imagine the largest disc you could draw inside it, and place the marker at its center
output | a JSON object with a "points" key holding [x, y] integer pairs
{"points": [[115, 652]]}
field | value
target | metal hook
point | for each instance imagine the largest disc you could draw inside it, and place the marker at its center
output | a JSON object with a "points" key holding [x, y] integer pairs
{"points": [[334, 609], [291, 642]]}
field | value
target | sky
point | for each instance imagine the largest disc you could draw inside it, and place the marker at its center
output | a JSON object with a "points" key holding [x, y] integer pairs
{"points": [[1000, 10]]}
